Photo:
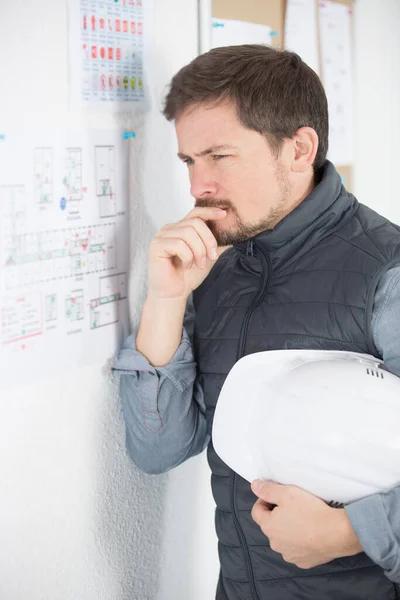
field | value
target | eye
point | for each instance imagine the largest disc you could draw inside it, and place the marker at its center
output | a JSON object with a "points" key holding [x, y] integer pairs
{"points": [[188, 161], [219, 156]]}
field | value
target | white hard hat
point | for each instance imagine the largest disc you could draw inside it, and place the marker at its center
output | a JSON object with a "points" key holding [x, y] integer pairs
{"points": [[328, 422]]}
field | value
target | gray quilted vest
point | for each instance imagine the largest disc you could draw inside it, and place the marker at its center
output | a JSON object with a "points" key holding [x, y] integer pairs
{"points": [[309, 283]]}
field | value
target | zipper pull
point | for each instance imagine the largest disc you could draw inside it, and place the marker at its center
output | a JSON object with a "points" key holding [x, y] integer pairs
{"points": [[249, 249]]}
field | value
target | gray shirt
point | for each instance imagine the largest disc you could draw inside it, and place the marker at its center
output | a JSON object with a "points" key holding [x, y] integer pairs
{"points": [[165, 421]]}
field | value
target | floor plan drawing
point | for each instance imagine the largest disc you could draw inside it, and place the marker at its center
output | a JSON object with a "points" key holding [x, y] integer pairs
{"points": [[50, 308], [104, 309], [73, 174], [63, 251], [105, 181], [37, 257], [13, 203], [43, 175], [74, 308]]}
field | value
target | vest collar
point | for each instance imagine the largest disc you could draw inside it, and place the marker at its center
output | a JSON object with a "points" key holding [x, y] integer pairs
{"points": [[320, 212]]}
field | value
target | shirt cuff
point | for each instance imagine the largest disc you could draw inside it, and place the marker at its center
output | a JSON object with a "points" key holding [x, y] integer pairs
{"points": [[180, 369], [370, 522]]}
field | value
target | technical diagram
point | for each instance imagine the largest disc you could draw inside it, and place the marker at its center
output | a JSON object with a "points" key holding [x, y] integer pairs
{"points": [[105, 181], [43, 175]]}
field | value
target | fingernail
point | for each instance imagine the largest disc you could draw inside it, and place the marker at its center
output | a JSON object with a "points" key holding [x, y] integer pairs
{"points": [[214, 253], [257, 485]]}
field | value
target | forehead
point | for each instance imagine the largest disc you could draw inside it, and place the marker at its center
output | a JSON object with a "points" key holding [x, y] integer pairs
{"points": [[209, 124]]}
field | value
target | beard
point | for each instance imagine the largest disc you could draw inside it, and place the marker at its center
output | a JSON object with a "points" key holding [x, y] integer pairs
{"points": [[241, 231]]}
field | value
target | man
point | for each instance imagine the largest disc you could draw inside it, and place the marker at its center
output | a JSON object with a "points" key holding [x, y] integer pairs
{"points": [[278, 255]]}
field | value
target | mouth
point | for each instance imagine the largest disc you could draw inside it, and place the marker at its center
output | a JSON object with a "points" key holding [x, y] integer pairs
{"points": [[199, 204]]}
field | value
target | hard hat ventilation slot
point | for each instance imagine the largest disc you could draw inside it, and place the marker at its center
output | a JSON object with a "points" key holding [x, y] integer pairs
{"points": [[378, 374], [335, 504]]}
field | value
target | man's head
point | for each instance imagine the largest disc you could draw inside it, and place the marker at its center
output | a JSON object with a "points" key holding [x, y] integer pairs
{"points": [[252, 126]]}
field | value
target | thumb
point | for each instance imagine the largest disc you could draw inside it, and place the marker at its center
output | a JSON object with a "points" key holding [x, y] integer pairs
{"points": [[269, 491]]}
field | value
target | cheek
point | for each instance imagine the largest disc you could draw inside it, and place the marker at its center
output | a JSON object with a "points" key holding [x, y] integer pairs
{"points": [[250, 181], [251, 190]]}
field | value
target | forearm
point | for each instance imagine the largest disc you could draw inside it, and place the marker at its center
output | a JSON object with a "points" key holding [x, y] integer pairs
{"points": [[160, 330], [161, 431], [163, 408], [376, 521]]}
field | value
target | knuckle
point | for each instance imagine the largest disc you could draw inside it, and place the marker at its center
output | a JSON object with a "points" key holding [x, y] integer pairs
{"points": [[188, 230], [182, 245], [197, 225], [202, 230], [198, 222], [254, 513]]}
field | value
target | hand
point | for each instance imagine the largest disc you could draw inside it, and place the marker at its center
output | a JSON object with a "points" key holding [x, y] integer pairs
{"points": [[301, 527], [182, 254]]}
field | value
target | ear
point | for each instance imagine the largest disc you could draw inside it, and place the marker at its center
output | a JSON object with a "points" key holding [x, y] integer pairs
{"points": [[305, 146]]}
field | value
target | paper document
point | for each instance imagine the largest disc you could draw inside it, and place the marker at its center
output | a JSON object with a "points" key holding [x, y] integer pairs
{"points": [[301, 31], [335, 33], [63, 251], [227, 32], [107, 52]]}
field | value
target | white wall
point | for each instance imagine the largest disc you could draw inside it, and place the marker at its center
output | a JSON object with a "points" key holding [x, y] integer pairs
{"points": [[377, 79], [77, 520]]}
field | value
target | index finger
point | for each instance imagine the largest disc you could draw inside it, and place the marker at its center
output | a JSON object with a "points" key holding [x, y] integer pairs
{"points": [[206, 213]]}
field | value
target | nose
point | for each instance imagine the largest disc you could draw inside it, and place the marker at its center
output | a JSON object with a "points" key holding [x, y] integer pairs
{"points": [[202, 181]]}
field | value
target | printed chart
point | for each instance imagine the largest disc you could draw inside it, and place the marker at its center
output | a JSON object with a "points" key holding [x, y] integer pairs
{"points": [[64, 251], [107, 50]]}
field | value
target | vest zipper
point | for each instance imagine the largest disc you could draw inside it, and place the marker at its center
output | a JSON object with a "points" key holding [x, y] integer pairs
{"points": [[267, 276]]}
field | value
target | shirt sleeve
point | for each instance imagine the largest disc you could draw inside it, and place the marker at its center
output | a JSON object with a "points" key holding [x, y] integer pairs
{"points": [[386, 319], [163, 407], [376, 518]]}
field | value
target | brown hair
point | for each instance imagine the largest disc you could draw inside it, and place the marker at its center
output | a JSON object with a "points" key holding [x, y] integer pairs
{"points": [[275, 92]]}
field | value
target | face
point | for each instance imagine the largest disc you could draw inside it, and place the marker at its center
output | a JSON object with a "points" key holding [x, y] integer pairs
{"points": [[233, 167]]}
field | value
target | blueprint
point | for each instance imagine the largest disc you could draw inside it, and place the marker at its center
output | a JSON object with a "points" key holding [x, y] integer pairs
{"points": [[64, 251]]}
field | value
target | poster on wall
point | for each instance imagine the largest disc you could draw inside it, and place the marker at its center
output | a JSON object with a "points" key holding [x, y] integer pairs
{"points": [[64, 251], [301, 31], [337, 77], [228, 32], [108, 58]]}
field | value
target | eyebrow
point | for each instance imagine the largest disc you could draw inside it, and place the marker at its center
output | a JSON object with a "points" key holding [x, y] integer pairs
{"points": [[210, 150]]}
